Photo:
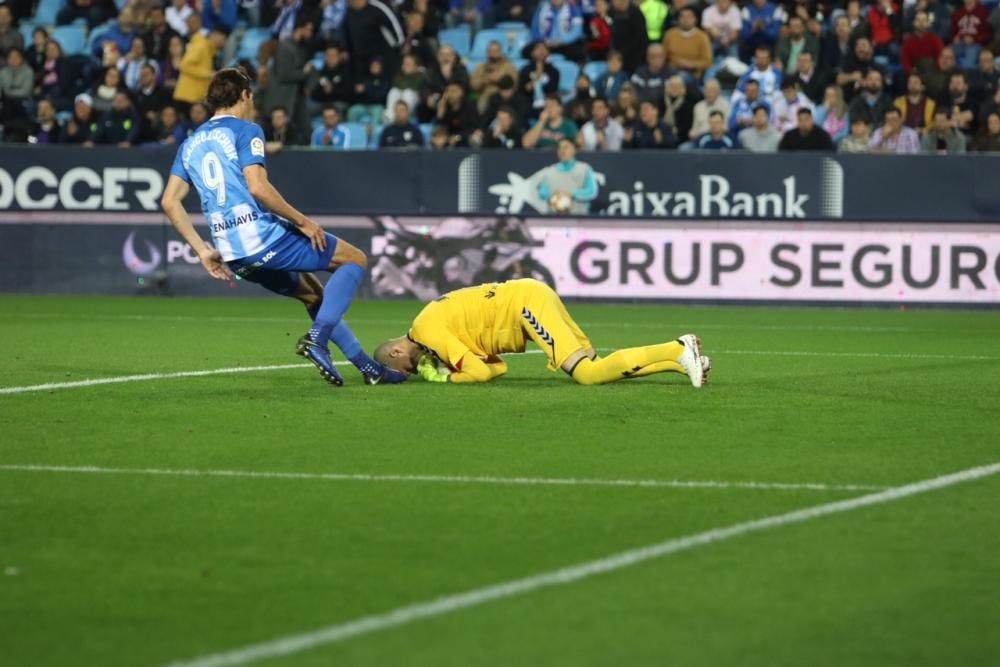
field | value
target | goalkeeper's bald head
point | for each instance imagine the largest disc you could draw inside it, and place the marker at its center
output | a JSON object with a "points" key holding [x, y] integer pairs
{"points": [[400, 354]]}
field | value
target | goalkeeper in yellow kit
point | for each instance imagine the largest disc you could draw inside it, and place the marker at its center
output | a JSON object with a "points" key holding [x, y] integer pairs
{"points": [[467, 330]]}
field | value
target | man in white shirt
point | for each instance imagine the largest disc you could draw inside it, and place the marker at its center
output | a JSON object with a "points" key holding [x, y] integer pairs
{"points": [[713, 101], [722, 22], [602, 133], [787, 104]]}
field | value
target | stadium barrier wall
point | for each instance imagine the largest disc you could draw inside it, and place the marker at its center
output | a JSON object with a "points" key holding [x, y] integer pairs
{"points": [[641, 184], [589, 258]]}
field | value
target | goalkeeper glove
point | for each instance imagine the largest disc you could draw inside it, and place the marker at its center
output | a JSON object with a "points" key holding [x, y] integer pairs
{"points": [[428, 370]]}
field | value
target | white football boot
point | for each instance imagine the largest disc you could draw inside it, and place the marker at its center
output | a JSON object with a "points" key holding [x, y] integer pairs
{"points": [[691, 360]]}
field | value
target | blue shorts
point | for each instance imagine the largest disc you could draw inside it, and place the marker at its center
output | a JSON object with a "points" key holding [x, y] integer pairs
{"points": [[277, 267]]}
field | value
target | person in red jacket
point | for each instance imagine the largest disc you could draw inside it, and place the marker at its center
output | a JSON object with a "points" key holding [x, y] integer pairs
{"points": [[970, 32], [922, 47], [885, 22]]}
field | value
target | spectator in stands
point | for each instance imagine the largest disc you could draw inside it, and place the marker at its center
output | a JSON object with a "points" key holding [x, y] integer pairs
{"points": [[333, 82], [486, 76], [45, 129], [688, 47], [371, 30], [503, 132], [177, 15], [370, 94], [197, 67], [856, 19], [406, 85], [82, 125], [559, 23], [292, 67], [722, 21], [170, 67], [988, 138], [219, 12], [93, 12], [473, 13], [678, 107], [650, 78], [511, 11], [832, 115], [873, 99], [119, 126], [449, 70], [917, 109], [712, 101], [279, 132], [763, 72], [806, 136], [885, 28], [17, 83], [628, 33], [130, 65], [970, 31], [34, 55], [787, 105], [198, 115], [795, 42], [649, 131], [922, 48], [741, 113], [610, 82], [117, 39], [597, 28], [655, 13], [439, 138], [169, 130], [893, 136], [602, 132], [433, 13], [551, 127], [331, 26], [859, 138], [10, 37], [402, 132], [810, 80], [331, 134], [963, 106], [761, 26], [716, 138], [457, 114], [856, 69], [983, 80], [104, 93], [577, 108], [159, 34], [625, 108], [150, 98], [938, 14], [761, 137], [415, 42], [837, 47], [506, 96], [53, 79], [538, 78], [942, 137], [994, 21], [990, 105]]}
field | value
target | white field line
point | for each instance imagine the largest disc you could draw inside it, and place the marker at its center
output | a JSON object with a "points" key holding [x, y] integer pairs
{"points": [[446, 479], [251, 369], [305, 641], [403, 322]]}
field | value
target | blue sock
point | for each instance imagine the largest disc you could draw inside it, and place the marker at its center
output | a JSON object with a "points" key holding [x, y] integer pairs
{"points": [[337, 296], [343, 337]]}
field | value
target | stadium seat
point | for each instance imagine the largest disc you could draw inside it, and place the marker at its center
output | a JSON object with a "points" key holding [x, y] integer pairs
{"points": [[26, 29], [359, 135], [96, 34], [373, 142], [567, 75], [318, 61], [595, 69], [458, 38], [252, 39], [512, 25], [425, 129], [512, 40], [72, 38], [46, 12]]}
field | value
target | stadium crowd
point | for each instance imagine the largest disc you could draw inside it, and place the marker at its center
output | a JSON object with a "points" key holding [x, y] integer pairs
{"points": [[816, 75]]}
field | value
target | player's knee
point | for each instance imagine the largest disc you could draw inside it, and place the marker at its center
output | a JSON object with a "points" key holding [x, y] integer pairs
{"points": [[585, 372], [348, 254]]}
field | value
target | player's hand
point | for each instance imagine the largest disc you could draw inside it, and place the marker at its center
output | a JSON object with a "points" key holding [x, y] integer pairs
{"points": [[428, 370], [314, 233], [212, 261]]}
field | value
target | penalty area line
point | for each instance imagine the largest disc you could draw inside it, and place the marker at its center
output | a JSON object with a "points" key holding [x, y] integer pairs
{"points": [[297, 643], [446, 479]]}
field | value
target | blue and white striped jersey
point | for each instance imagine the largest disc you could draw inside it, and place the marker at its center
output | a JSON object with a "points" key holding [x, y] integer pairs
{"points": [[212, 160]]}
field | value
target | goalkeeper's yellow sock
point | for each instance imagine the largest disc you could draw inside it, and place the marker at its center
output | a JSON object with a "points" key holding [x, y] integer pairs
{"points": [[659, 367], [628, 363]]}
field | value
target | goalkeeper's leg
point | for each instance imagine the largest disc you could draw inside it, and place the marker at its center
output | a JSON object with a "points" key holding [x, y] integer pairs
{"points": [[630, 362]]}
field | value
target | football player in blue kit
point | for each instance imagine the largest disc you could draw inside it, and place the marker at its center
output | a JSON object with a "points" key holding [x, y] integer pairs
{"points": [[259, 236]]}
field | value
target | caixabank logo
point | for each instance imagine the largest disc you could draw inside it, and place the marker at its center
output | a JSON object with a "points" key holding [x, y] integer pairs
{"points": [[633, 192]]}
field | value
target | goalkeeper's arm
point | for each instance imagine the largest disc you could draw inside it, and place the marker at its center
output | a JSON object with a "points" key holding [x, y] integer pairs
{"points": [[472, 369]]}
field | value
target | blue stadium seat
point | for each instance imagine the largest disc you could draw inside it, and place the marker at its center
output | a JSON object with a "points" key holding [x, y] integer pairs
{"points": [[26, 29], [359, 135], [72, 38], [512, 40], [46, 12], [252, 39], [373, 143], [458, 38], [515, 25], [567, 75], [318, 61], [425, 129], [97, 33], [519, 63], [594, 70]]}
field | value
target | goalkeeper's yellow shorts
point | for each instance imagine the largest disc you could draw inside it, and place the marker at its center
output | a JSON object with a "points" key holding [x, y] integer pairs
{"points": [[549, 324]]}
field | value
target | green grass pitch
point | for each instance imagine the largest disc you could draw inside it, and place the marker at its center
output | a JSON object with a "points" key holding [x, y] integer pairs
{"points": [[121, 568]]}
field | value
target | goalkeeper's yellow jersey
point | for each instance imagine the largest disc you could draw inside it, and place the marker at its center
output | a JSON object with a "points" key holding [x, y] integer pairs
{"points": [[484, 321]]}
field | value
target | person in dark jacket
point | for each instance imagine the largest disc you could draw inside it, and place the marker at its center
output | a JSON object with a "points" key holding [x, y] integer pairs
{"points": [[120, 125], [292, 68], [628, 33], [371, 30], [82, 125], [806, 137], [333, 82], [402, 133], [538, 78], [649, 131]]}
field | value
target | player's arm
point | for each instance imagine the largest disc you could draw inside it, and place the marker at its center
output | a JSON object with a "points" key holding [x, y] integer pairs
{"points": [[471, 368], [172, 203], [264, 192]]}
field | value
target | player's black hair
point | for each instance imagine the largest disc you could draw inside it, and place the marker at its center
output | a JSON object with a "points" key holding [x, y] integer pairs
{"points": [[227, 88]]}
